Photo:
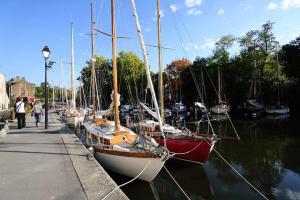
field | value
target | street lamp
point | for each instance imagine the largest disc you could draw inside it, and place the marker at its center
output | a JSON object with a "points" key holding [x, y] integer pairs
{"points": [[46, 52]]}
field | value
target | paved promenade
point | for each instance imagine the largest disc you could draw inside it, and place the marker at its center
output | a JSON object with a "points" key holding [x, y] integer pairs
{"points": [[51, 164]]}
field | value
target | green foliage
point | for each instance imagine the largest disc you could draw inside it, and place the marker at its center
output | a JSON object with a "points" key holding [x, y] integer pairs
{"points": [[290, 57], [130, 72]]}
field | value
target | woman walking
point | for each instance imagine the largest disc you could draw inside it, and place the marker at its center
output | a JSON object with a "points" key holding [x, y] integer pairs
{"points": [[38, 111], [20, 112]]}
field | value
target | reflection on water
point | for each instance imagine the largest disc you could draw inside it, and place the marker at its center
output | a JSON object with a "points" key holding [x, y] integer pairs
{"points": [[268, 155]]}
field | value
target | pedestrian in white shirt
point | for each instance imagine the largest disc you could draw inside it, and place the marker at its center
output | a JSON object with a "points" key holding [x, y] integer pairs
{"points": [[20, 112]]}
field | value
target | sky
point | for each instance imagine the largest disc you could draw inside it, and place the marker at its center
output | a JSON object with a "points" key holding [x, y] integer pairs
{"points": [[189, 27]]}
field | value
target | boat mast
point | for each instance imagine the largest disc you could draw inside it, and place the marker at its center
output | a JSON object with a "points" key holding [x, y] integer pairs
{"points": [[64, 89], [80, 92], [62, 84], [278, 95], [143, 48], [114, 54], [161, 96], [93, 61], [219, 84], [73, 105], [53, 94]]}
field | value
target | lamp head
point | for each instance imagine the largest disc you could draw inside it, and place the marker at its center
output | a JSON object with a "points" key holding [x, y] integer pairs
{"points": [[46, 52], [51, 63]]}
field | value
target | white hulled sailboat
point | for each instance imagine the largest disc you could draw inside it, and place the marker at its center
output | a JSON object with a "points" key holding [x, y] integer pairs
{"points": [[116, 147]]}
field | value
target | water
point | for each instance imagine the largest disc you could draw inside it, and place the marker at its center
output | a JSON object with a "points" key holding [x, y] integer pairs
{"points": [[268, 156]]}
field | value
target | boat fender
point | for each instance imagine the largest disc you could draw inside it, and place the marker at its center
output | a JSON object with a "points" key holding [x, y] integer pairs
{"points": [[151, 141], [154, 143]]}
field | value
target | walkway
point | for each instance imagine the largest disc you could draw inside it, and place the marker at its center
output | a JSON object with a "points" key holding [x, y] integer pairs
{"points": [[50, 164]]}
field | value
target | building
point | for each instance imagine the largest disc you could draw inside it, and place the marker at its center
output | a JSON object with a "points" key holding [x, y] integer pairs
{"points": [[4, 101], [19, 87]]}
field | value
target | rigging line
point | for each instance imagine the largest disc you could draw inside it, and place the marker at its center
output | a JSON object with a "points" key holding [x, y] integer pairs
{"points": [[181, 42], [177, 183], [212, 85], [239, 174], [189, 36], [183, 153], [97, 94], [229, 118], [184, 50], [118, 187], [84, 97]]}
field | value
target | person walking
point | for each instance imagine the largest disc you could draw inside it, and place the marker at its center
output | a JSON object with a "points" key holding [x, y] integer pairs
{"points": [[20, 112], [38, 112]]}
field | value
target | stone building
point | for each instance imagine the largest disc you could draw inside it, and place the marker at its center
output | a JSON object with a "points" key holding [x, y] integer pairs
{"points": [[19, 87], [4, 101]]}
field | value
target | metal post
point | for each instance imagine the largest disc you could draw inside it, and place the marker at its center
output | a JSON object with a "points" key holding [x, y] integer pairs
{"points": [[46, 96]]}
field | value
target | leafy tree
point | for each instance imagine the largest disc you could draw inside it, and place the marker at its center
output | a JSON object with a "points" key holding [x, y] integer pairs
{"points": [[290, 57], [174, 70], [260, 44], [102, 83]]}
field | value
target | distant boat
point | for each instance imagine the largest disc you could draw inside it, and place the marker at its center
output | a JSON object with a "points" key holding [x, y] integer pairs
{"points": [[252, 108], [179, 108], [126, 108], [71, 115], [222, 107], [277, 109]]}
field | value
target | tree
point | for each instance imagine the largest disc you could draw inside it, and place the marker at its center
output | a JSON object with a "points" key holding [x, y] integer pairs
{"points": [[260, 44], [290, 57], [103, 80], [131, 71], [174, 70]]}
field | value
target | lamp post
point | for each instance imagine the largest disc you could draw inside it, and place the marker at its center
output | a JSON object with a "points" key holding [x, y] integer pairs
{"points": [[46, 52]]}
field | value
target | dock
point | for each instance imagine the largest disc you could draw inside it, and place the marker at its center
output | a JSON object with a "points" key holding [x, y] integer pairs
{"points": [[38, 163]]}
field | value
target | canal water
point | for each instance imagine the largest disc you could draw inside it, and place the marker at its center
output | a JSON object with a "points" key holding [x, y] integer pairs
{"points": [[268, 156]]}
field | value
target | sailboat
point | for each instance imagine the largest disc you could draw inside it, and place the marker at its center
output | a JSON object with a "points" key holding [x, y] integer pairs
{"points": [[222, 107], [186, 146], [116, 147], [252, 107], [71, 115], [278, 109]]}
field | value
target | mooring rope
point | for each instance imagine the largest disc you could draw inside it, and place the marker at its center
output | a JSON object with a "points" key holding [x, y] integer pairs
{"points": [[177, 183], [118, 187], [183, 153], [248, 182]]}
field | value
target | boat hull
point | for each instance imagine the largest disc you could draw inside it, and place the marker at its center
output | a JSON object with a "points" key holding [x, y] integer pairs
{"points": [[73, 121], [190, 150], [220, 109], [277, 111], [130, 164]]}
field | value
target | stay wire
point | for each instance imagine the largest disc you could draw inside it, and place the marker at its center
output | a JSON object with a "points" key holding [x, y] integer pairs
{"points": [[184, 193], [197, 86], [181, 42], [240, 175]]}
